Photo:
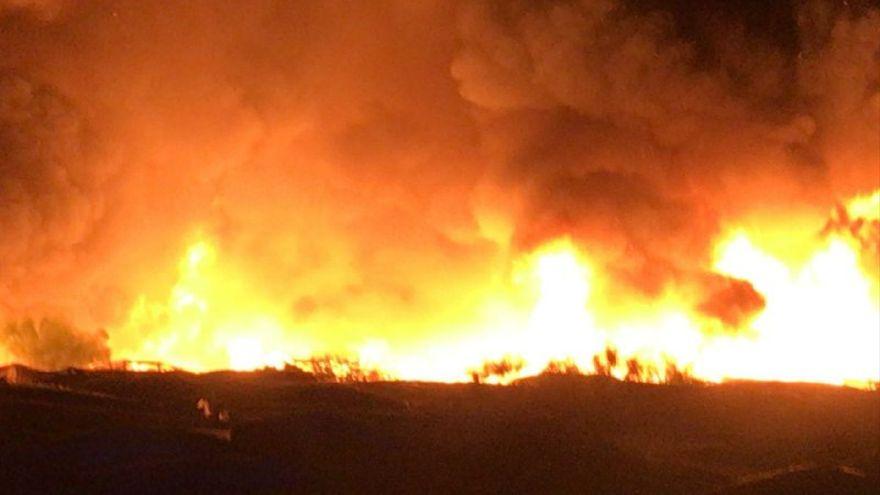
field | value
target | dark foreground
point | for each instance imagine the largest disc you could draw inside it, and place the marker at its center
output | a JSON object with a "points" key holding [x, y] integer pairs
{"points": [[98, 432]]}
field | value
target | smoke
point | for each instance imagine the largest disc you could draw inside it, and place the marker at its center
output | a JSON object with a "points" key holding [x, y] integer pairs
{"points": [[43, 10], [52, 344], [47, 192], [353, 161], [49, 202], [731, 301], [617, 127]]}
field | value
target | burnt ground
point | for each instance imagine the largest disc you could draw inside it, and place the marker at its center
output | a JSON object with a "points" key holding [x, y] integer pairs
{"points": [[108, 432]]}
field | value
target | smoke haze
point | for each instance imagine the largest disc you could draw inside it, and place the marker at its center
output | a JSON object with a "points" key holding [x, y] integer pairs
{"points": [[355, 162]]}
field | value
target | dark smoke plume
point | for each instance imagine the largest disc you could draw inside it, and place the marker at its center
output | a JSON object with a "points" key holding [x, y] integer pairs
{"points": [[358, 159], [51, 344]]}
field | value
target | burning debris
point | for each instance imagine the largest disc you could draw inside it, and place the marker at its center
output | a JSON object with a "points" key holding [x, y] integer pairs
{"points": [[204, 186], [135, 365]]}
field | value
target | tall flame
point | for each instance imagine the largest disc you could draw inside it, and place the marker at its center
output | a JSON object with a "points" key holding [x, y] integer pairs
{"points": [[209, 321], [821, 321]]}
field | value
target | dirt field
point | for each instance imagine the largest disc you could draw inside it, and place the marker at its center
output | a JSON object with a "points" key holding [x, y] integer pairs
{"points": [[137, 432]]}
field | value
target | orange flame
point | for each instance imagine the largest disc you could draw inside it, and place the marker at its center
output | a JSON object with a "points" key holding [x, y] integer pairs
{"points": [[821, 322]]}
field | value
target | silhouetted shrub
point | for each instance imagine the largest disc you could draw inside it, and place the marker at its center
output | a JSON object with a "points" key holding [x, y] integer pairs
{"points": [[678, 376], [604, 363], [498, 369], [562, 367], [339, 369]]}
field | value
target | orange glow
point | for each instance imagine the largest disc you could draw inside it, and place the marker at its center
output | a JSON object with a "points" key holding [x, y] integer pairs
{"points": [[522, 188], [866, 206], [821, 322], [210, 321]]}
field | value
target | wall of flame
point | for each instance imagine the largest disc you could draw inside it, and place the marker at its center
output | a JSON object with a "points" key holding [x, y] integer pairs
{"points": [[437, 187]]}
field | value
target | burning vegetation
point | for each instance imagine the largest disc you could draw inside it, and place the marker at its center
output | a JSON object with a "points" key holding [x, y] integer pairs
{"points": [[633, 189]]}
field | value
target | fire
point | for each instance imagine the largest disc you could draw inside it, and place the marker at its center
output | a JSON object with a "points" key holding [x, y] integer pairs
{"points": [[531, 185], [865, 206], [211, 320], [559, 321], [819, 324]]}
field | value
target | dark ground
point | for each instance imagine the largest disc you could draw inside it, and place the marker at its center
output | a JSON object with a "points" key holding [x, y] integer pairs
{"points": [[98, 432]]}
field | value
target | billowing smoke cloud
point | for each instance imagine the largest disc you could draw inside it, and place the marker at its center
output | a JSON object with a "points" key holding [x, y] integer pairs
{"points": [[615, 125], [52, 344], [47, 190], [41, 9], [49, 201], [357, 160]]}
